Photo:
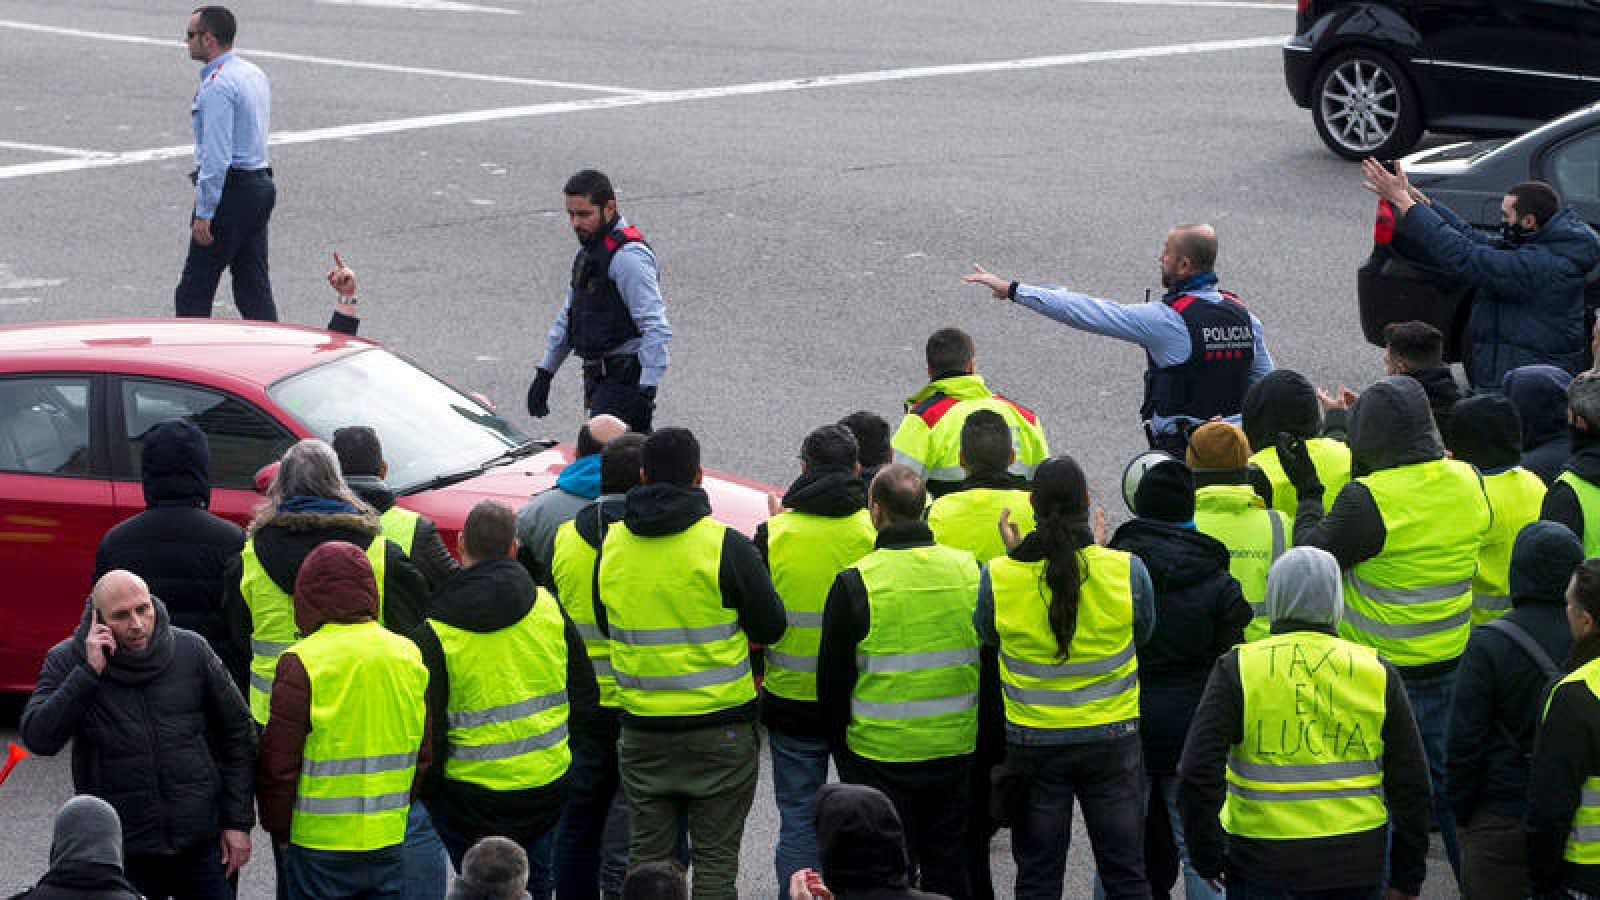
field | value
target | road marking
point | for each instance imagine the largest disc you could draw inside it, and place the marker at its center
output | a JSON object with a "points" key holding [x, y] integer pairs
{"points": [[10, 282], [1225, 4], [326, 61], [425, 6], [417, 123], [53, 150]]}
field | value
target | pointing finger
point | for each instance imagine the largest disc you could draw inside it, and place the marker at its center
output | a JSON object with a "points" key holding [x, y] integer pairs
{"points": [[337, 261]]}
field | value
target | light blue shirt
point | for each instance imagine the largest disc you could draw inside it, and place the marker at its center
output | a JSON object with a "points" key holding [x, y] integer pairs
{"points": [[231, 114], [633, 269], [1155, 326]]}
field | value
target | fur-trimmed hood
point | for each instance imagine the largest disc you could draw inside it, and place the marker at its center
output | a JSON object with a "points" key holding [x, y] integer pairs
{"points": [[284, 539]]}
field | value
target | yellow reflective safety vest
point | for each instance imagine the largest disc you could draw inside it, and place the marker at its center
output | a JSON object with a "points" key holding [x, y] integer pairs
{"points": [[1331, 459], [1515, 497], [970, 520], [507, 707], [1589, 501], [368, 702], [1583, 841], [676, 650], [929, 437], [1255, 537], [272, 628], [916, 692], [1413, 601], [1097, 681], [400, 525], [572, 570], [1311, 762], [805, 553]]}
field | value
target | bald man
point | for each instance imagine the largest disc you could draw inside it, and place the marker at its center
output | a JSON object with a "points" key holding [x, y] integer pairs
{"points": [[1202, 347], [159, 731], [578, 483]]}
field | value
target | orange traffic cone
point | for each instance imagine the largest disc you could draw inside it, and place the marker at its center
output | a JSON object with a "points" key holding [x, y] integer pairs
{"points": [[14, 754]]}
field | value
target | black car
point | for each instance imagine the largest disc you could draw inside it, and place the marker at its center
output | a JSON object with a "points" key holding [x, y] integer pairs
{"points": [[1376, 73], [1472, 178]]}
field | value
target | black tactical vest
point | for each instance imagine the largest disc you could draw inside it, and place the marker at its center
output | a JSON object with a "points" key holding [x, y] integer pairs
{"points": [[598, 320], [1215, 377]]}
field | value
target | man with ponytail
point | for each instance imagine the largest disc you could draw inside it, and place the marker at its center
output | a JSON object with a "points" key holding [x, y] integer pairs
{"points": [[1067, 616]]}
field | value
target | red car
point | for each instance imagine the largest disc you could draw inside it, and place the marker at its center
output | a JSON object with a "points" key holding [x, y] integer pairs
{"points": [[76, 396]]}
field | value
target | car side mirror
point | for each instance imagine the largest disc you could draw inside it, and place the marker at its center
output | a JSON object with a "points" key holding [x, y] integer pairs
{"points": [[264, 476]]}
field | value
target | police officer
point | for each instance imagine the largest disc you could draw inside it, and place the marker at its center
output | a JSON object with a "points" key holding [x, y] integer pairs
{"points": [[507, 671], [613, 318], [968, 518], [928, 440], [1305, 743], [1204, 348], [361, 460], [1227, 508], [898, 677]]}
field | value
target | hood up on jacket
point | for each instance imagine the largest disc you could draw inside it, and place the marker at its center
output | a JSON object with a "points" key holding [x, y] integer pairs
{"points": [[1392, 425], [87, 832], [1486, 431], [335, 584], [655, 510], [581, 477], [175, 464], [1282, 401], [860, 841], [832, 491], [1305, 585], [1543, 559], [489, 596], [1540, 395]]}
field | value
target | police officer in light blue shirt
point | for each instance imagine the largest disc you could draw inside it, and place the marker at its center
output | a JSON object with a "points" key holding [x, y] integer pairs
{"points": [[1203, 348], [234, 193], [613, 317]]}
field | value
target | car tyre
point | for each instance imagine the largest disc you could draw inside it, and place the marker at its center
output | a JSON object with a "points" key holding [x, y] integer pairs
{"points": [[1364, 105]]}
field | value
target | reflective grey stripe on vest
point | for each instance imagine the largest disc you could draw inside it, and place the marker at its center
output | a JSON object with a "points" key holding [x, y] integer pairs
{"points": [[1585, 834], [1399, 632], [1075, 697], [1277, 535], [1491, 602], [357, 765], [1591, 798], [261, 682], [509, 712], [1405, 596], [354, 806], [602, 667], [720, 675], [663, 637], [1298, 774], [590, 631], [1258, 609], [913, 709], [792, 662], [507, 749], [917, 662], [1070, 669], [269, 648], [804, 619], [1267, 796], [1020, 468]]}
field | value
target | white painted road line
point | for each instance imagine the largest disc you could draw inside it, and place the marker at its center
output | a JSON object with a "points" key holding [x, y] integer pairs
{"points": [[251, 52], [426, 6], [416, 123], [53, 150]]}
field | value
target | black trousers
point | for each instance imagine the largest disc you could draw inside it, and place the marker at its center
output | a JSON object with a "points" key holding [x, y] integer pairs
{"points": [[932, 799], [239, 243], [611, 386]]}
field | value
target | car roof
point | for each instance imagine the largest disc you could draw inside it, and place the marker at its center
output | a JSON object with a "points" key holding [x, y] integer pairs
{"points": [[259, 352]]}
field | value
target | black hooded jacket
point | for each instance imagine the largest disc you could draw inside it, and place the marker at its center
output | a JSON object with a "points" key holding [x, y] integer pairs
{"points": [[835, 493], [485, 598], [162, 735], [1561, 501], [1200, 613], [181, 550], [1540, 395], [1443, 392], [861, 845], [663, 509], [1284, 401], [428, 552]]}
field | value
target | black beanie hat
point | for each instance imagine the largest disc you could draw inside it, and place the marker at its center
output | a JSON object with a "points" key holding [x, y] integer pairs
{"points": [[1166, 493], [1485, 430]]}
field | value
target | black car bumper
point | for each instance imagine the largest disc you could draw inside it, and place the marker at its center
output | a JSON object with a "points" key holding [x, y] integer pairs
{"points": [[1391, 288], [1299, 67]]}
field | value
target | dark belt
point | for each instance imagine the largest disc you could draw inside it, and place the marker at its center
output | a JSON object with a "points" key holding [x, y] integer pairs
{"points": [[619, 367], [250, 173]]}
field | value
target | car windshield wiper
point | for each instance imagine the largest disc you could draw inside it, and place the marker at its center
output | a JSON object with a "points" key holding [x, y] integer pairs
{"points": [[522, 450]]}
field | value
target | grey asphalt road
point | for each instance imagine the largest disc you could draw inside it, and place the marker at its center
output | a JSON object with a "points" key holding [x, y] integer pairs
{"points": [[814, 175]]}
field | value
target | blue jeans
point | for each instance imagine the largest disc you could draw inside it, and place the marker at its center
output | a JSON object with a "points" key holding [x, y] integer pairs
{"points": [[423, 855], [195, 873], [799, 769], [1430, 705], [1107, 778], [540, 851], [340, 875], [583, 865], [1194, 887]]}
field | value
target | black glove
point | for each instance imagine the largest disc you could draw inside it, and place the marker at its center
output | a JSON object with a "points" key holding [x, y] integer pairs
{"points": [[1295, 458], [539, 394]]}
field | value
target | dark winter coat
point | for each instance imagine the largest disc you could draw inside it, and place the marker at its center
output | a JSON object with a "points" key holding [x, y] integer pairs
{"points": [[1540, 395], [163, 735], [1200, 613], [85, 855], [1529, 306], [1561, 501], [861, 845], [485, 598], [180, 550], [1442, 391]]}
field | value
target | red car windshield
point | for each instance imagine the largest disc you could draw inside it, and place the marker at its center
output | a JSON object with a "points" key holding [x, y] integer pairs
{"points": [[429, 430]]}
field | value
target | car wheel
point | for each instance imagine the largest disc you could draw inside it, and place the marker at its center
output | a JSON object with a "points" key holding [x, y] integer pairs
{"points": [[1363, 106]]}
